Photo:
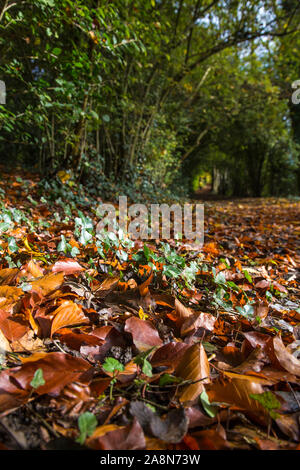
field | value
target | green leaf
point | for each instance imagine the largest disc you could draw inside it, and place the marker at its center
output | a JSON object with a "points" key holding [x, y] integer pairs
{"points": [[4, 226], [147, 368], [57, 51], [168, 379], [151, 407], [62, 246], [247, 276], [38, 379], [269, 401], [220, 278], [12, 245], [85, 237], [87, 424], [247, 310], [207, 406], [111, 365], [74, 251]]}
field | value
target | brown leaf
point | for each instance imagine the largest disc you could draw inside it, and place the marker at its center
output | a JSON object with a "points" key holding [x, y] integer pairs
{"points": [[285, 359], [144, 288], [9, 295], [144, 335], [261, 310], [106, 286], [130, 437], [4, 344], [182, 312], [166, 300], [59, 369], [67, 314], [34, 269], [67, 267], [8, 275], [28, 343], [169, 354], [211, 439], [107, 337], [198, 320], [10, 395], [193, 366], [236, 393], [48, 283], [13, 327]]}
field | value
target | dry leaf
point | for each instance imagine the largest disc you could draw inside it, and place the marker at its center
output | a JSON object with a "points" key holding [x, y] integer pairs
{"points": [[193, 366], [67, 314], [9, 295], [48, 283]]}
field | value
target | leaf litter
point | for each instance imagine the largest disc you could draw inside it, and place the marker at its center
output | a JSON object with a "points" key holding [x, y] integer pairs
{"points": [[107, 343]]}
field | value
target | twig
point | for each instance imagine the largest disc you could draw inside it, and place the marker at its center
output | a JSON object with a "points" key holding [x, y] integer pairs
{"points": [[12, 435], [37, 415]]}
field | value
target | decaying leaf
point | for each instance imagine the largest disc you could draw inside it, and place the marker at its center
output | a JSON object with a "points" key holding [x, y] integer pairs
{"points": [[172, 428], [67, 314], [193, 367], [48, 283], [143, 333]]}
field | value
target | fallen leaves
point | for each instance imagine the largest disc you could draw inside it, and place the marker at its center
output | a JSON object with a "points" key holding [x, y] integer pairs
{"points": [[8, 275], [59, 370], [143, 333], [186, 357], [193, 367], [47, 284], [67, 267], [129, 437], [9, 295], [285, 359], [68, 313], [172, 428]]}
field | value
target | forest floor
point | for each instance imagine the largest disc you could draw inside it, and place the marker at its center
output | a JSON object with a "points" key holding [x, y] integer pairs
{"points": [[112, 344]]}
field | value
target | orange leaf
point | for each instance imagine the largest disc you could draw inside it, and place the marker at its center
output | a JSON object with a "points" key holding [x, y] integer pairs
{"points": [[144, 288], [67, 314], [236, 393], [9, 295], [34, 269], [48, 283], [285, 359], [193, 366], [8, 275], [182, 312]]}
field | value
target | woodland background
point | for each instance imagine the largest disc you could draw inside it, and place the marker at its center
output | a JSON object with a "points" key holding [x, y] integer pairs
{"points": [[147, 98]]}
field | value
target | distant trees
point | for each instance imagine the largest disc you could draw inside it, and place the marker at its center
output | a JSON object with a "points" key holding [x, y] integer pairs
{"points": [[139, 95]]}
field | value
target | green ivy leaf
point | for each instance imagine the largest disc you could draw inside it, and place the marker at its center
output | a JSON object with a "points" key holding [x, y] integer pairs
{"points": [[147, 368], [269, 401], [87, 424], [38, 379], [247, 276], [12, 245], [168, 379], [207, 406], [111, 365]]}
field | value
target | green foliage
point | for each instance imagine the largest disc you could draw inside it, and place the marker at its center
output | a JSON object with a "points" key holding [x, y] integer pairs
{"points": [[269, 401], [207, 406], [38, 379], [143, 100], [112, 365], [87, 424], [142, 361]]}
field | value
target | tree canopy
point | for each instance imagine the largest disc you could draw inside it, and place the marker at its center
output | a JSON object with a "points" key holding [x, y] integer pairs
{"points": [[135, 96]]}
